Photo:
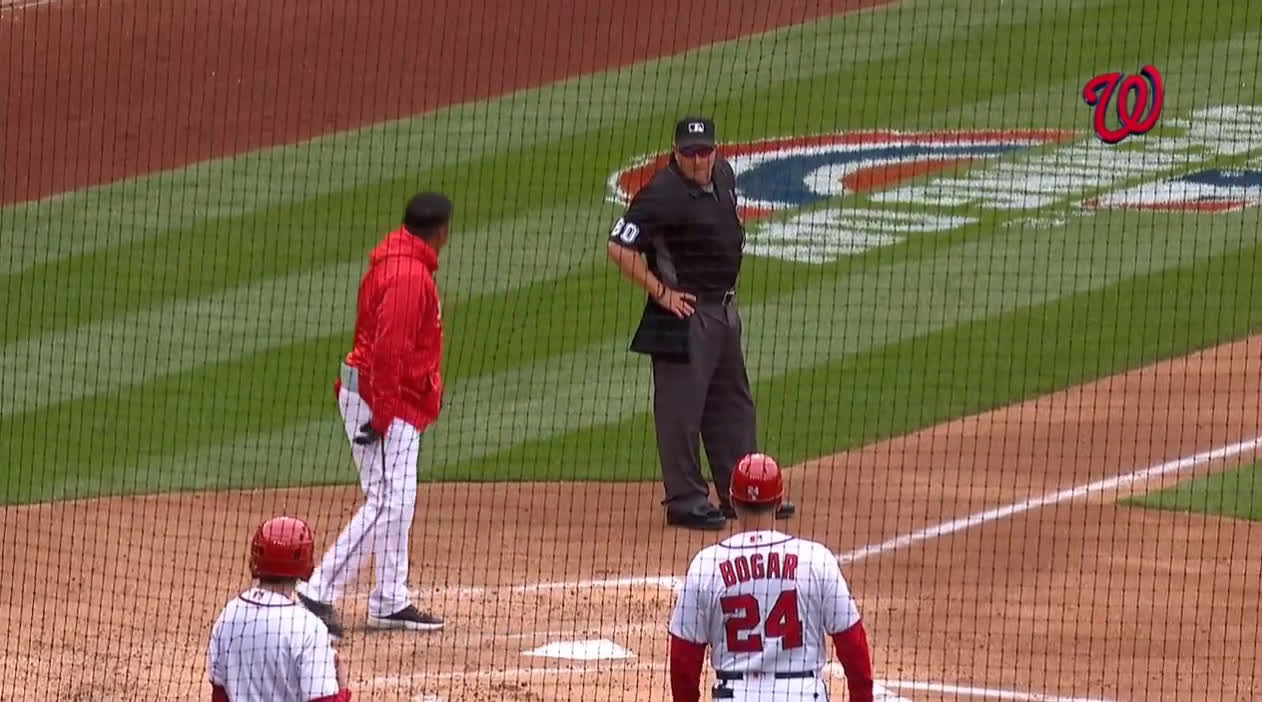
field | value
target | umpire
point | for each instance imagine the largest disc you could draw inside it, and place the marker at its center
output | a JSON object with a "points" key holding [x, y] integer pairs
{"points": [[681, 240]]}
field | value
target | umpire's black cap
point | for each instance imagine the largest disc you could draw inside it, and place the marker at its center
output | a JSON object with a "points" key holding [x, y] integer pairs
{"points": [[694, 131], [425, 211]]}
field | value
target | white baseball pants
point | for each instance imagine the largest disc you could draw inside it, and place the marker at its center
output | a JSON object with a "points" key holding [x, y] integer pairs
{"points": [[765, 688], [387, 475]]}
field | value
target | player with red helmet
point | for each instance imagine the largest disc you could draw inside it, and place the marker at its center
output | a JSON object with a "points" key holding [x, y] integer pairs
{"points": [[263, 646], [764, 602]]}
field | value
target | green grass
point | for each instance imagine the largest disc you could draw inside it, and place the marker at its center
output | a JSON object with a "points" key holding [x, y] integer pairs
{"points": [[1233, 493], [959, 371], [186, 334]]}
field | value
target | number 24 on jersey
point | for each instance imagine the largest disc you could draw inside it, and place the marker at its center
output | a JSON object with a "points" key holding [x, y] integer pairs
{"points": [[783, 622]]}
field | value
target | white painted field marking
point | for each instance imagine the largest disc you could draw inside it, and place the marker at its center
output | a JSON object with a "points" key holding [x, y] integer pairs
{"points": [[1066, 495], [883, 687], [388, 680], [984, 692], [561, 633], [586, 650], [880, 693], [24, 4]]}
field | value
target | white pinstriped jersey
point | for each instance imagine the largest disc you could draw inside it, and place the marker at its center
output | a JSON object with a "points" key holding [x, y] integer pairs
{"points": [[765, 602], [265, 648]]}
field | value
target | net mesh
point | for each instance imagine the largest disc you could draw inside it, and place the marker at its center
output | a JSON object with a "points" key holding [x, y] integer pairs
{"points": [[994, 315]]}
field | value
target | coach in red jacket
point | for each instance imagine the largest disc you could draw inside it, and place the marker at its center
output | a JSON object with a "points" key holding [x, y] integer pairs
{"points": [[390, 389]]}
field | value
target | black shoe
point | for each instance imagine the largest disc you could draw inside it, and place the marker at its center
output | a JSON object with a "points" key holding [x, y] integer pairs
{"points": [[409, 618], [711, 520], [786, 510], [326, 614]]}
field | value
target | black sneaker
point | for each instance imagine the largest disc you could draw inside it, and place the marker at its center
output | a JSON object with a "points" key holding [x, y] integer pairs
{"points": [[409, 618], [325, 613], [709, 521]]}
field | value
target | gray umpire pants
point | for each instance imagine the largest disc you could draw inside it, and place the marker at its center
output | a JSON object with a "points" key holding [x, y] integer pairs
{"points": [[704, 399]]}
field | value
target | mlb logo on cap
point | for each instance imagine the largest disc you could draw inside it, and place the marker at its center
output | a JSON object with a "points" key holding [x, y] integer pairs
{"points": [[694, 131]]}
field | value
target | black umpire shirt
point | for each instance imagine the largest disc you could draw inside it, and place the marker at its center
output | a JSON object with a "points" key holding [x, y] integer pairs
{"points": [[692, 238]]}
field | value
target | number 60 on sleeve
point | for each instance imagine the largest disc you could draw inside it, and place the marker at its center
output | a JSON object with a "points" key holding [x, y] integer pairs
{"points": [[624, 231]]}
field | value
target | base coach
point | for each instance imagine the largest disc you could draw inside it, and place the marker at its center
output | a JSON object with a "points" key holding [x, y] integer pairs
{"points": [[681, 240]]}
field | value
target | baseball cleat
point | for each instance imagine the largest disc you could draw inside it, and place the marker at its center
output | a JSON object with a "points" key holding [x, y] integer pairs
{"points": [[409, 618], [325, 613]]}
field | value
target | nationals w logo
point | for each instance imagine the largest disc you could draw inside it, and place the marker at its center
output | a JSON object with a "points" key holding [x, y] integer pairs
{"points": [[1149, 94]]}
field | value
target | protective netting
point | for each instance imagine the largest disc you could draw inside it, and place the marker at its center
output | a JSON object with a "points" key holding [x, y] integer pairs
{"points": [[995, 318]]}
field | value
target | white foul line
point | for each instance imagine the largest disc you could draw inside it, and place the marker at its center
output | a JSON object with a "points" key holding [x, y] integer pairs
{"points": [[949, 527], [983, 692], [881, 690], [1072, 493]]}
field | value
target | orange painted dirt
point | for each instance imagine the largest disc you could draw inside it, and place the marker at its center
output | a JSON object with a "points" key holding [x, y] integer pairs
{"points": [[112, 599]]}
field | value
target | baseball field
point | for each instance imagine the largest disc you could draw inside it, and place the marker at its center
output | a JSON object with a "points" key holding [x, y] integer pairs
{"points": [[1016, 370]]}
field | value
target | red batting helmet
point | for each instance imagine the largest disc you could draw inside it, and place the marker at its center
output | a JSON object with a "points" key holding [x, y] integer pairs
{"points": [[283, 547], [757, 480]]}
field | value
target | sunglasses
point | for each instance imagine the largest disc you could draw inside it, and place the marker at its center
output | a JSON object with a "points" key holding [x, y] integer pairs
{"points": [[697, 151]]}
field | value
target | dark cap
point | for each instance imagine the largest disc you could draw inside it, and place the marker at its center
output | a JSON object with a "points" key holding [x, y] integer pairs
{"points": [[694, 131], [426, 210]]}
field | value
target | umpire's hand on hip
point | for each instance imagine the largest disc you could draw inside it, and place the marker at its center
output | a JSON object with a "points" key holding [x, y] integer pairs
{"points": [[367, 436], [678, 303]]}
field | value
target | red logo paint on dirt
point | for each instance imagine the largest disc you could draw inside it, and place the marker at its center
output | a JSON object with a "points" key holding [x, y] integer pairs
{"points": [[1135, 117]]}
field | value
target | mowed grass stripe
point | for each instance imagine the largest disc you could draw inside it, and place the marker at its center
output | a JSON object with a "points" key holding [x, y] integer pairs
{"points": [[490, 412], [812, 317], [484, 333], [848, 402], [503, 236]]}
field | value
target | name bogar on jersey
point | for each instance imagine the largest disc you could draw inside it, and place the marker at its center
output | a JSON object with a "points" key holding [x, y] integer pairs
{"points": [[764, 602]]}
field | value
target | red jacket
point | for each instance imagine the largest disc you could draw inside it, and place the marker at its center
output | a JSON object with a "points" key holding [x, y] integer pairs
{"points": [[398, 333]]}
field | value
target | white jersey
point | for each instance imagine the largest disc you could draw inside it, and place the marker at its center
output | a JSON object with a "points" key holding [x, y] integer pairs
{"points": [[265, 648], [764, 602]]}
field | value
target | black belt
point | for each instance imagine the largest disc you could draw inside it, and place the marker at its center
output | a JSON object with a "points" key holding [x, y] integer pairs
{"points": [[725, 675], [716, 298]]}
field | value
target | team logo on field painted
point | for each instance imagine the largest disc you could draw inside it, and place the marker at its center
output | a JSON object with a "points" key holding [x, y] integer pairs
{"points": [[804, 174], [817, 199], [795, 172], [1136, 116]]}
